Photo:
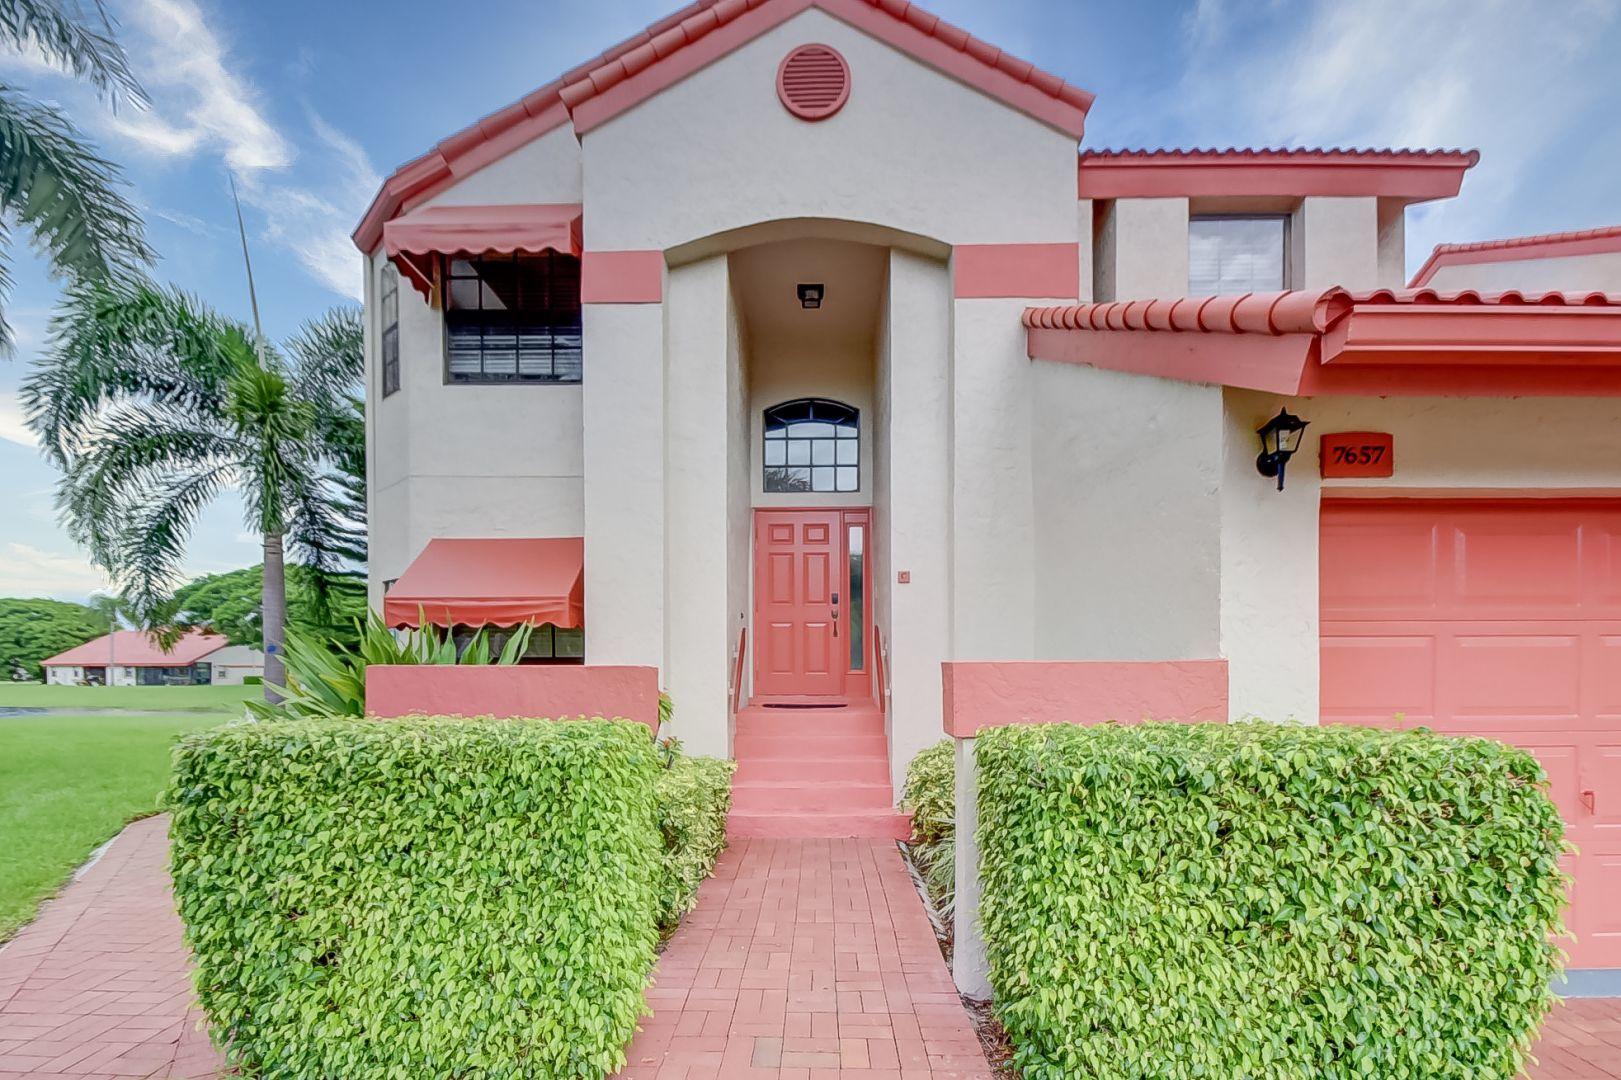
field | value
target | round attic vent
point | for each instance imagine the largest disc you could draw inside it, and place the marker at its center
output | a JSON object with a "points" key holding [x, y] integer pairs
{"points": [[813, 82]]}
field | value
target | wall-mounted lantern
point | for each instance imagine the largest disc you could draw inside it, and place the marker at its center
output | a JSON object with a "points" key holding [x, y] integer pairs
{"points": [[810, 296], [1280, 438]]}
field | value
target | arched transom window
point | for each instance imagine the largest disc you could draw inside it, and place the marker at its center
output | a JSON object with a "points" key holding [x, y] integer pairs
{"points": [[812, 445]]}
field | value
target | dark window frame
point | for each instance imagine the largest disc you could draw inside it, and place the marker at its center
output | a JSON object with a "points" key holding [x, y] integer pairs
{"points": [[1285, 263], [388, 303], [552, 325], [784, 416]]}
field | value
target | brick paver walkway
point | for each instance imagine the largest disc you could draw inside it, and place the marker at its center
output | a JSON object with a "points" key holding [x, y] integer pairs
{"points": [[99, 984], [805, 960]]}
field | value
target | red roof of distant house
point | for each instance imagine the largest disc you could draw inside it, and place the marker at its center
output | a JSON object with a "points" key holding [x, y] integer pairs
{"points": [[1601, 241], [1332, 341], [1412, 175], [135, 648], [698, 34]]}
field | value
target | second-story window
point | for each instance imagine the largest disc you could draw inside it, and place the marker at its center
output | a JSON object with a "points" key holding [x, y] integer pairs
{"points": [[513, 319], [1233, 254], [389, 338]]}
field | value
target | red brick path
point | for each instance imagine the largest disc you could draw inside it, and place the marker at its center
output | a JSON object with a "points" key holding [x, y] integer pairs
{"points": [[806, 960], [99, 984]]}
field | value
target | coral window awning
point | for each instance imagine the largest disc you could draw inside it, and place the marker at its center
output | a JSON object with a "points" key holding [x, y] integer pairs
{"points": [[492, 582], [417, 239]]}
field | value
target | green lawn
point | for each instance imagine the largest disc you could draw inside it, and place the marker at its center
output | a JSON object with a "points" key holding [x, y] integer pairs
{"points": [[68, 783], [160, 698]]}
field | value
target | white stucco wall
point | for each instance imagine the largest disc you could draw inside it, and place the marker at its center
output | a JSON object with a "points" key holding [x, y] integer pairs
{"points": [[912, 149], [1392, 244], [1127, 543], [1141, 249], [698, 585], [545, 170], [915, 534], [1445, 446], [1571, 273], [1335, 241], [232, 663]]}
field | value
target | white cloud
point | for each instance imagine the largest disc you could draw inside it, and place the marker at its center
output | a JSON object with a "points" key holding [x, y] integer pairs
{"points": [[202, 103], [1505, 77], [190, 75], [28, 571], [12, 427]]}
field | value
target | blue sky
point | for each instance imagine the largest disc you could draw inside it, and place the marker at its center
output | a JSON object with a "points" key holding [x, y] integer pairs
{"points": [[309, 103]]}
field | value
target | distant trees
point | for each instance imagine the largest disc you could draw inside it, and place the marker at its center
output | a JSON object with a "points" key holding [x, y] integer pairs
{"points": [[231, 604], [35, 630]]}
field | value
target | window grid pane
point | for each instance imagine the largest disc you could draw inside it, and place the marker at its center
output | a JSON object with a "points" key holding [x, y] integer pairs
{"points": [[390, 336], [514, 319], [812, 445]]}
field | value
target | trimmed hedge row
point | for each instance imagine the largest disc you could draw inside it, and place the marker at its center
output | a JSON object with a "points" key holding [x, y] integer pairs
{"points": [[694, 795], [1254, 900], [421, 897]]}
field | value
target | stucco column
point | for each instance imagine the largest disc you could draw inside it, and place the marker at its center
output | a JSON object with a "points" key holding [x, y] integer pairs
{"points": [[698, 627], [914, 534], [970, 968], [624, 484], [992, 503]]}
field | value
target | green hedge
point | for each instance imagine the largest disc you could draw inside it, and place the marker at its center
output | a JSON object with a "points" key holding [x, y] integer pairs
{"points": [[694, 794], [1263, 901], [930, 795], [420, 897]]}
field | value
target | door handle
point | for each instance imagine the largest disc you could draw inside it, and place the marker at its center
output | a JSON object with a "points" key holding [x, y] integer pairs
{"points": [[1590, 800], [835, 614]]}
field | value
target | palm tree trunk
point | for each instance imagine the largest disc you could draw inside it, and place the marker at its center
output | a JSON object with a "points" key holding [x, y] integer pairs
{"points": [[273, 601]]}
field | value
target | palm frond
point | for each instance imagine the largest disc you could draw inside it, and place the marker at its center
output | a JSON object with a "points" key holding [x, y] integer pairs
{"points": [[150, 548], [65, 194], [58, 33], [128, 338]]}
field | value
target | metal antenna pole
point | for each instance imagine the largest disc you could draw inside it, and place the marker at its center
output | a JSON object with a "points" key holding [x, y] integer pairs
{"points": [[241, 230]]}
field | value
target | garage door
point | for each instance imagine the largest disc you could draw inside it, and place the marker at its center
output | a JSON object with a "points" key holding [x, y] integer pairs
{"points": [[1500, 619]]}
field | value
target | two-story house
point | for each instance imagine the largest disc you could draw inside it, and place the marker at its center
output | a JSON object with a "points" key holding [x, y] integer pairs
{"points": [[793, 347]]}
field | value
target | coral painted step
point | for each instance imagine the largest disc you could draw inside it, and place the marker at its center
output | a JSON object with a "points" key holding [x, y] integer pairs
{"points": [[805, 773]]}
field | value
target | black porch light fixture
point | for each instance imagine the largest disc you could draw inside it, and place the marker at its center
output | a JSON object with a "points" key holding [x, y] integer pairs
{"points": [[1280, 438], [810, 295]]}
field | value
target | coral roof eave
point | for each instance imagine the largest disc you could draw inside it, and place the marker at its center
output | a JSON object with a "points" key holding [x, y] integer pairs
{"points": [[1406, 174], [1600, 241], [1333, 341], [699, 33]]}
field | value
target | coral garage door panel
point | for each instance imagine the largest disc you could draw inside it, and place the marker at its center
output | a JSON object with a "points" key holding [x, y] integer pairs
{"points": [[1500, 619]]}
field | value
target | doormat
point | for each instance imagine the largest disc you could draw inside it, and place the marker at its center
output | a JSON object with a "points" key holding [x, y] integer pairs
{"points": [[803, 705]]}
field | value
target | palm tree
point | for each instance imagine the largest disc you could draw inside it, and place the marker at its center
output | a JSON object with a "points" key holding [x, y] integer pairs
{"points": [[153, 404], [52, 182]]}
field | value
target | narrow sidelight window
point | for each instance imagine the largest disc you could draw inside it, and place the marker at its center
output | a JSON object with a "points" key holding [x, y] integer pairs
{"points": [[1230, 254], [856, 540], [513, 318], [812, 445], [389, 306]]}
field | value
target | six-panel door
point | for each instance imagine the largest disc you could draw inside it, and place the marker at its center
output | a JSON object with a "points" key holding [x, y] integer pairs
{"points": [[799, 647], [1500, 619]]}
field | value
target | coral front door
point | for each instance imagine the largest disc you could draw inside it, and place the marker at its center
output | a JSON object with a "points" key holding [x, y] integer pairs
{"points": [[799, 646]]}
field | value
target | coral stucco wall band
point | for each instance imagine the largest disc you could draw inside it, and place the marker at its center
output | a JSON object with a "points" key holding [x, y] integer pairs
{"points": [[986, 694], [982, 271], [507, 691], [622, 277]]}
